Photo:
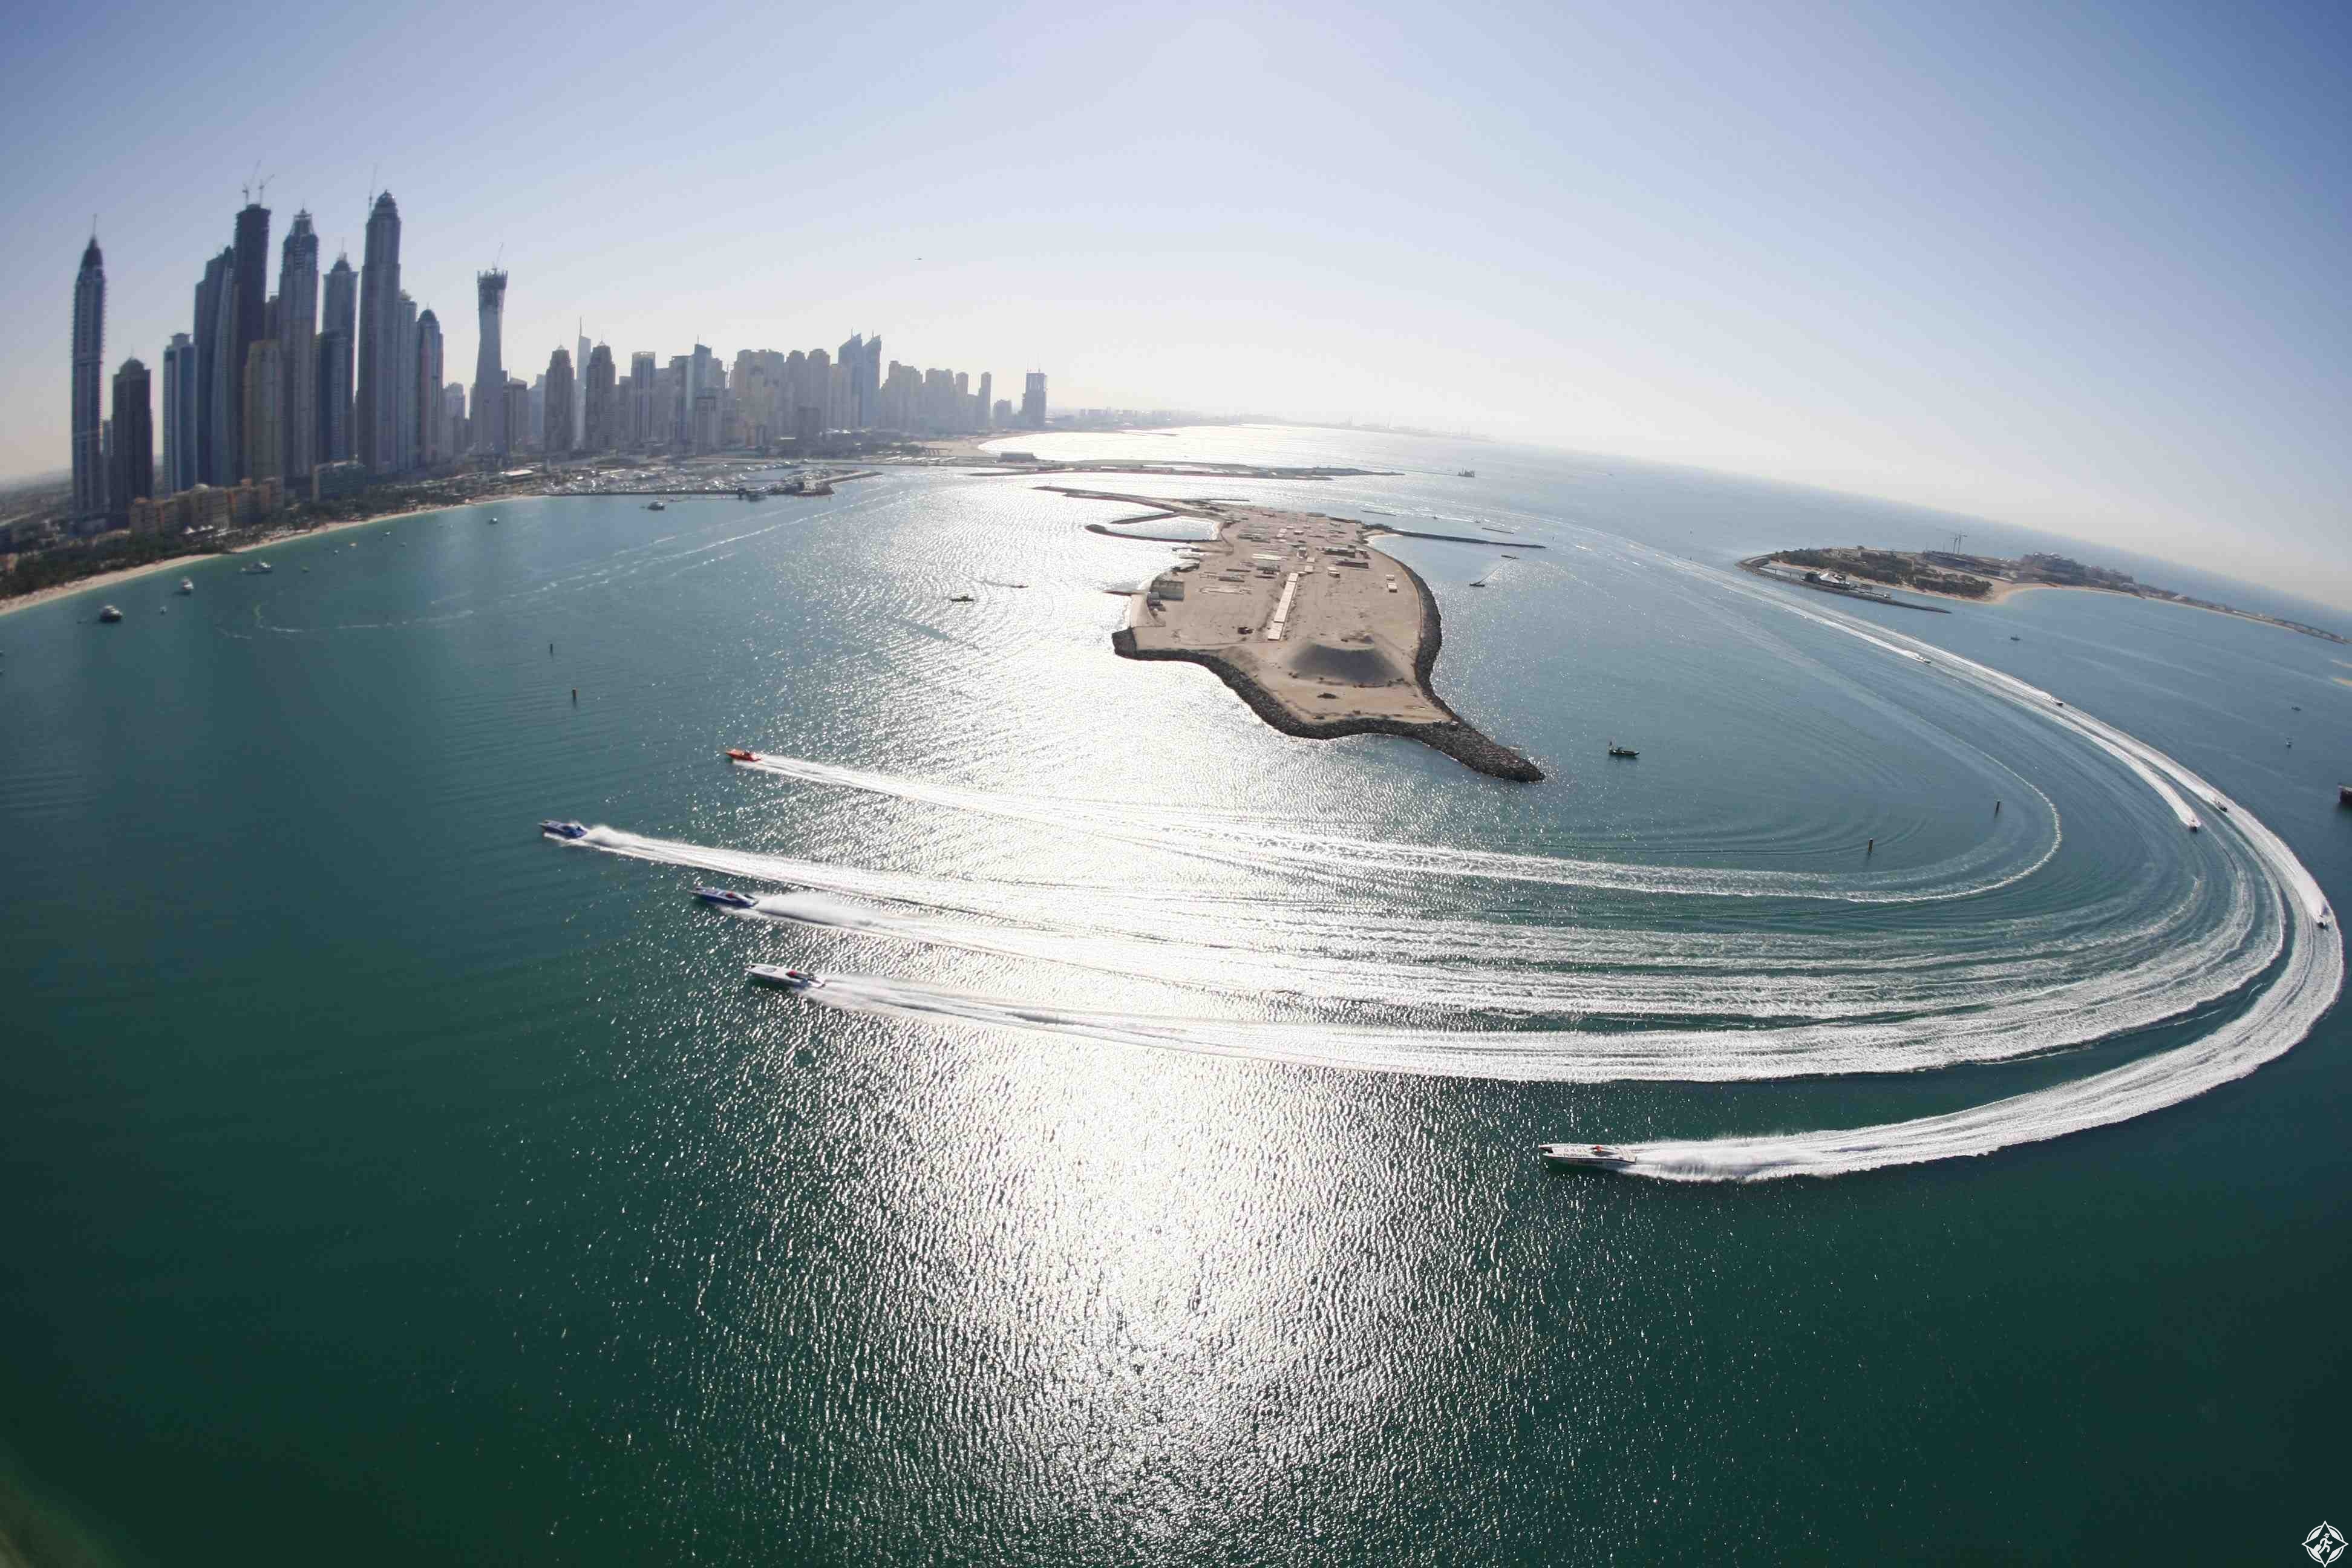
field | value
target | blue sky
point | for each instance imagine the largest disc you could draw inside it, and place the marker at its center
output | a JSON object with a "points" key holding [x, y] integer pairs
{"points": [[2076, 267]]}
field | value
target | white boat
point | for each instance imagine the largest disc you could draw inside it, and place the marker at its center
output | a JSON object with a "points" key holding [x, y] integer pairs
{"points": [[109, 615], [789, 979], [261, 569], [1584, 1156], [187, 585]]}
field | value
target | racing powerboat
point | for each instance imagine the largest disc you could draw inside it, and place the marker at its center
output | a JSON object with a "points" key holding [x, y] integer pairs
{"points": [[737, 754], [1584, 1156], [565, 830], [785, 979], [726, 898]]}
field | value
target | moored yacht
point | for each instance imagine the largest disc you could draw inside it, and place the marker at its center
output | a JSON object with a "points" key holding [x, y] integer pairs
{"points": [[187, 584], [109, 615]]}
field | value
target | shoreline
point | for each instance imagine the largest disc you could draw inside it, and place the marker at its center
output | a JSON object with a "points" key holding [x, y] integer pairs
{"points": [[2001, 589], [277, 541]]}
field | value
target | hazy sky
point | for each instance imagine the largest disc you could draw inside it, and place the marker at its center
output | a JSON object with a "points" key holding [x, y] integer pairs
{"points": [[2079, 266]]}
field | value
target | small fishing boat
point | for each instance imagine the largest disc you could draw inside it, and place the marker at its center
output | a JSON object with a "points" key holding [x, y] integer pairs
{"points": [[959, 598], [1617, 751], [656, 506]]}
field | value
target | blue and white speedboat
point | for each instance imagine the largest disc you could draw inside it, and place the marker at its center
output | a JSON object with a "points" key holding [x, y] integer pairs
{"points": [[725, 897], [785, 979], [564, 829], [1584, 1156]]}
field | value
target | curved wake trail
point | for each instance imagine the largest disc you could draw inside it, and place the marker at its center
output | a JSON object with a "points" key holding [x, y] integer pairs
{"points": [[1238, 839], [2241, 949], [2279, 1018]]}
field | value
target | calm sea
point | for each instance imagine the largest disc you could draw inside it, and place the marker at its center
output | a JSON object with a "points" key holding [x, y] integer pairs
{"points": [[386, 1184]]}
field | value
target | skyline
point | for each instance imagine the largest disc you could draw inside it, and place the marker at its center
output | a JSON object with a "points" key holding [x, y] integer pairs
{"points": [[2068, 270]]}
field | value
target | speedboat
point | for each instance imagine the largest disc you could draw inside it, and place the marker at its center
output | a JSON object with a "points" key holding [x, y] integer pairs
{"points": [[726, 898], [565, 830], [109, 615], [261, 569], [787, 979], [1584, 1156], [737, 754], [187, 585]]}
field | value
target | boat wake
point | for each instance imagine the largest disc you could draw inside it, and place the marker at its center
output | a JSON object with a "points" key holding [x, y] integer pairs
{"points": [[1680, 982]]}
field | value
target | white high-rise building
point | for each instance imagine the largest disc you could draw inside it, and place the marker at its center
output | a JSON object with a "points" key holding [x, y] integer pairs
{"points": [[490, 433]]}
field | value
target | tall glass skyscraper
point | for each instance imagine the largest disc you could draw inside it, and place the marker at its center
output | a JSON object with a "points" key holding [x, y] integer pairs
{"points": [[251, 322], [179, 415], [376, 416], [490, 432], [338, 338], [297, 334], [88, 371]]}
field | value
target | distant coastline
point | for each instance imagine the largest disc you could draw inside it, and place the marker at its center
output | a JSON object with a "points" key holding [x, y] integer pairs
{"points": [[1986, 579]]}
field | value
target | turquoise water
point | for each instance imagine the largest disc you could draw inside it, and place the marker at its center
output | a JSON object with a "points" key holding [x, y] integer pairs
{"points": [[389, 1183]]}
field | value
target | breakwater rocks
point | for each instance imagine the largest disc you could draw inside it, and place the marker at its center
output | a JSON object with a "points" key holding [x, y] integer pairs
{"points": [[1456, 739]]}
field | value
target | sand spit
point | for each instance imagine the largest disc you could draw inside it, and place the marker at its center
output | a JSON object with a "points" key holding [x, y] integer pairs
{"points": [[1321, 633]]}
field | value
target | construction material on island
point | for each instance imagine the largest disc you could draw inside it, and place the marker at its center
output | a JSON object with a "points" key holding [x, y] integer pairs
{"points": [[1320, 634]]}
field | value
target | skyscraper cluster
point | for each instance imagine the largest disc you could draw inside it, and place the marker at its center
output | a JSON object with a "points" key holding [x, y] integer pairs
{"points": [[268, 385]]}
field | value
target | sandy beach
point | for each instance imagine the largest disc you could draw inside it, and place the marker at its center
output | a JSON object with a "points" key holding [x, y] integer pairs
{"points": [[181, 563]]}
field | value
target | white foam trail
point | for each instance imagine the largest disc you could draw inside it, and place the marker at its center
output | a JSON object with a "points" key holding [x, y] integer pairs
{"points": [[2243, 939], [2091, 957], [2280, 1016], [1241, 840]]}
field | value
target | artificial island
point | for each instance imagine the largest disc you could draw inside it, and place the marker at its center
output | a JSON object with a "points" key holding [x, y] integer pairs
{"points": [[1322, 634]]}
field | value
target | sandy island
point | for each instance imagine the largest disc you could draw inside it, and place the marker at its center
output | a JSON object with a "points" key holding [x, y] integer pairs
{"points": [[1320, 634]]}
